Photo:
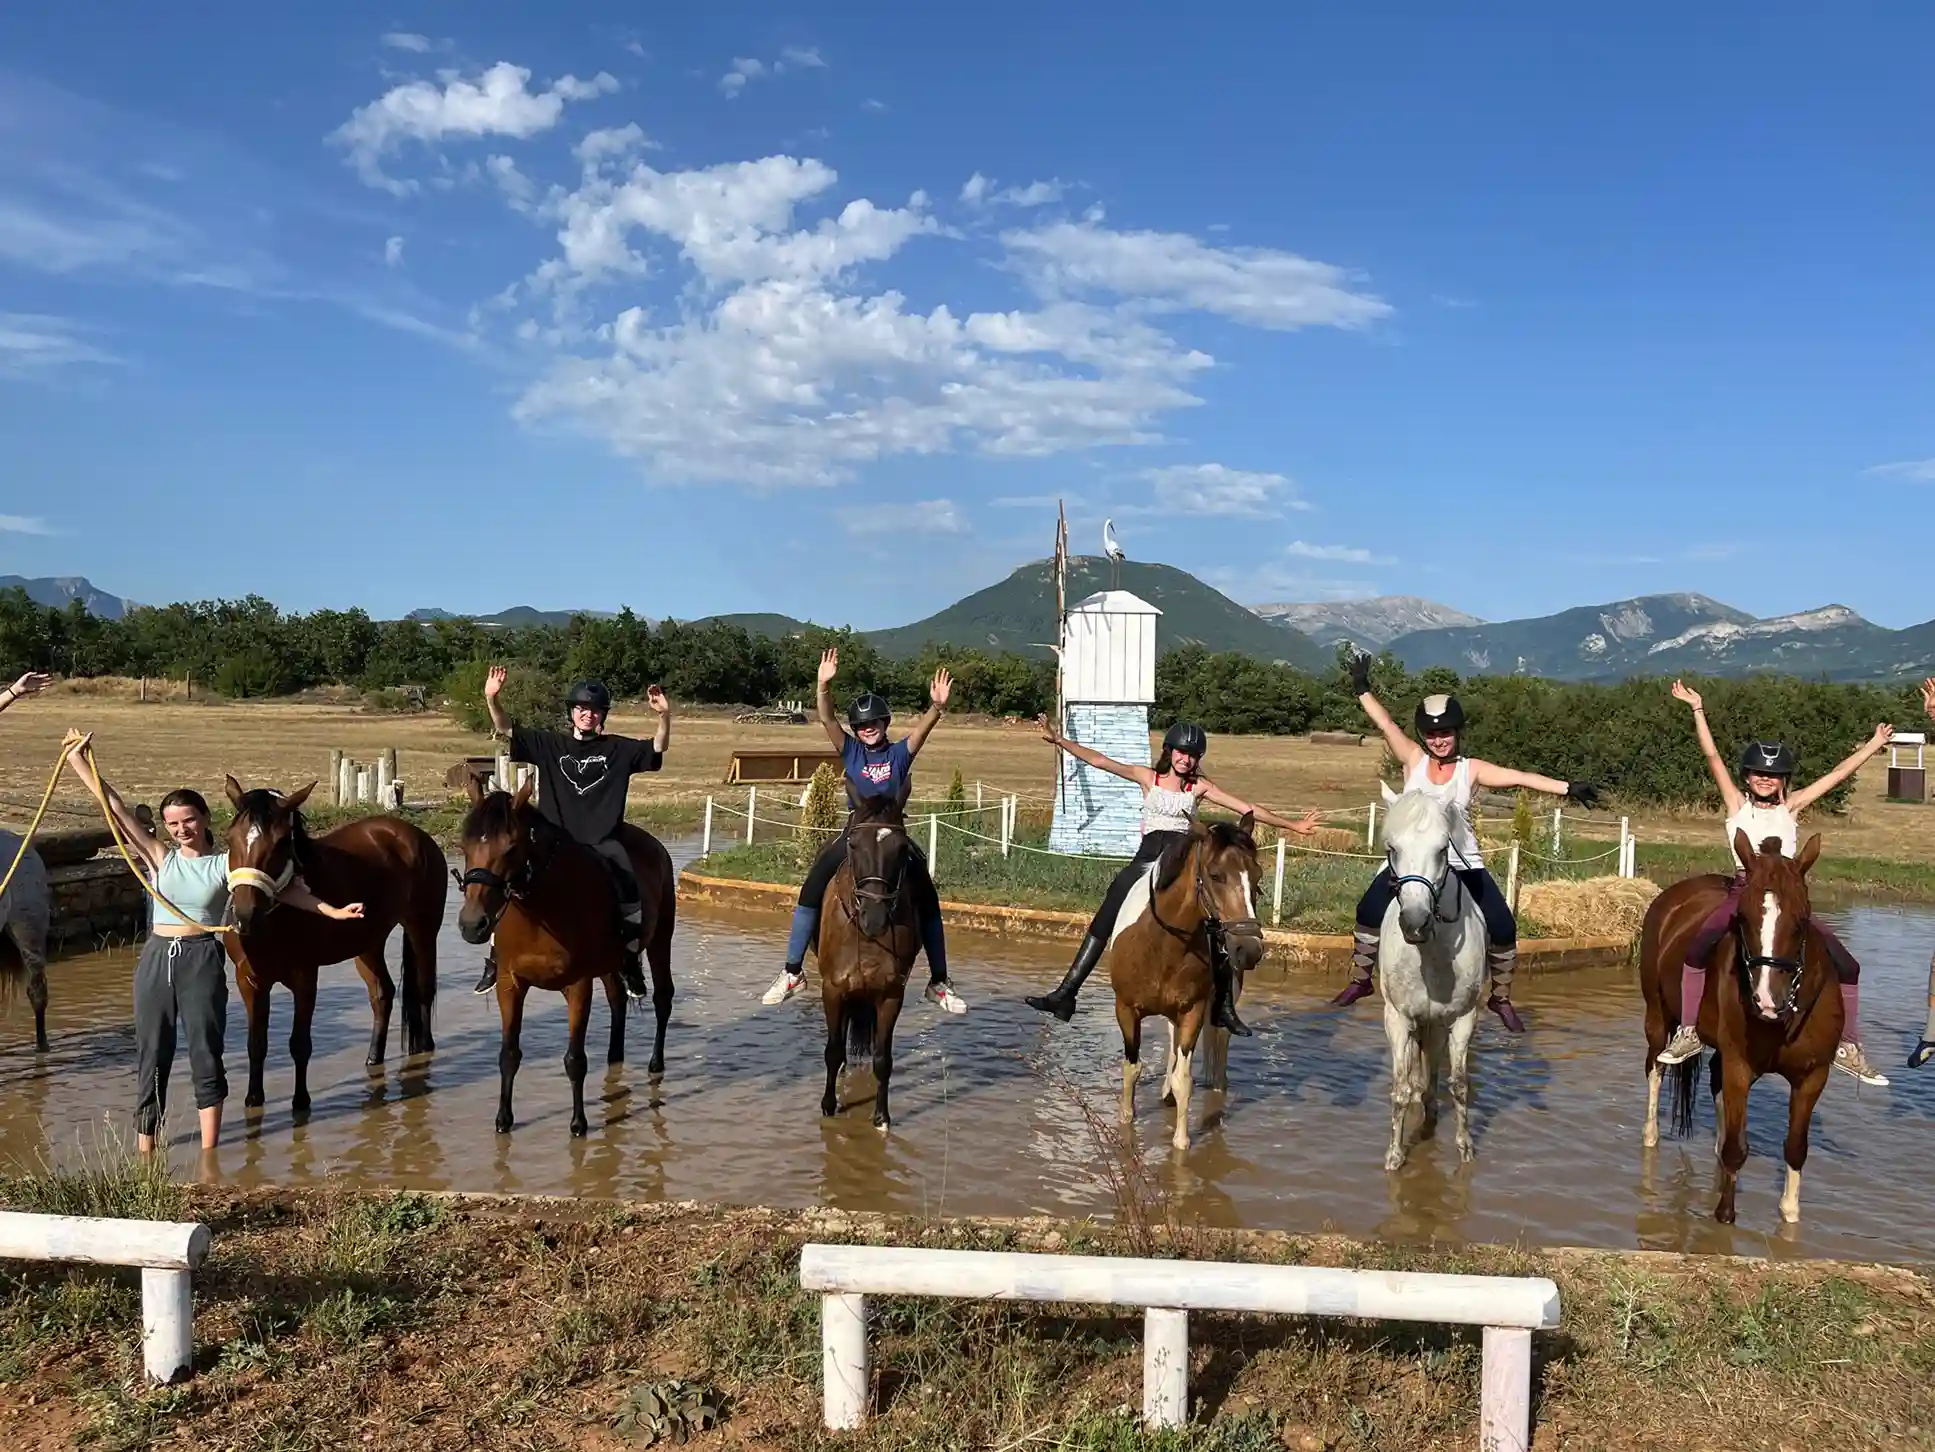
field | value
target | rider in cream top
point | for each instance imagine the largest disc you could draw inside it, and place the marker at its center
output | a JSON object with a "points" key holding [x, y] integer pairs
{"points": [[1762, 805], [1435, 765], [1167, 810]]}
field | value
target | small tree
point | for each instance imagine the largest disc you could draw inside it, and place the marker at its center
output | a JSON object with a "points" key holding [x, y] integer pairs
{"points": [[957, 790], [820, 816], [1522, 827]]}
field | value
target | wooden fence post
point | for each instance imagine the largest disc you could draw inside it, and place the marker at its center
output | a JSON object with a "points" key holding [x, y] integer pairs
{"points": [[1370, 831], [933, 843], [1511, 878], [705, 842], [752, 806], [336, 778], [1276, 907]]}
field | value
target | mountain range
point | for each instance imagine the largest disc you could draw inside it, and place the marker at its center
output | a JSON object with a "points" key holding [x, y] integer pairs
{"points": [[1654, 635]]}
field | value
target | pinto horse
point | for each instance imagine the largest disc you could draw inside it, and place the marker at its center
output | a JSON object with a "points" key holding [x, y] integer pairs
{"points": [[1197, 900], [395, 869], [554, 909], [1771, 1006], [869, 936]]}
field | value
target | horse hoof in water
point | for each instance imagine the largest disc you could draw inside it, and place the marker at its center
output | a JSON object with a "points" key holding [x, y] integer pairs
{"points": [[656, 1067], [503, 1124], [882, 1123], [1394, 1160], [580, 1128], [252, 1101], [1467, 1151], [299, 1106], [829, 1107]]}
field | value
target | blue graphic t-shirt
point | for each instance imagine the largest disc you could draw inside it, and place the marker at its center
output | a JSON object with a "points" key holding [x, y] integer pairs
{"points": [[882, 772]]}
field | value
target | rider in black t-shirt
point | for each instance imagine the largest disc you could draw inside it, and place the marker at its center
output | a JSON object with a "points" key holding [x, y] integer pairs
{"points": [[582, 781]]}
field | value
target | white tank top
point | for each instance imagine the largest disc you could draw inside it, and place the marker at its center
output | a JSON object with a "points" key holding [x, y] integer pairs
{"points": [[1760, 823], [1465, 851], [1164, 810]]}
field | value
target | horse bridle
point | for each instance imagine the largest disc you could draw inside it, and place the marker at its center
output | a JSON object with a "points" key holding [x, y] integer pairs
{"points": [[1746, 963], [514, 886], [1213, 928], [890, 898], [1398, 879]]}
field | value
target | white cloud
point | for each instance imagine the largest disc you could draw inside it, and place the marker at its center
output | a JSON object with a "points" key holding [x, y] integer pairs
{"points": [[393, 252], [518, 189], [979, 190], [806, 57], [613, 141], [1216, 489], [1916, 471], [404, 40], [744, 68], [922, 516], [33, 344], [24, 524], [975, 189], [497, 103], [1259, 286], [1336, 554], [871, 104]]}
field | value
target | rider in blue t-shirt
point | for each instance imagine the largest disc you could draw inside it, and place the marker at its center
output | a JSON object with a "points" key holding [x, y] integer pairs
{"points": [[875, 767]]}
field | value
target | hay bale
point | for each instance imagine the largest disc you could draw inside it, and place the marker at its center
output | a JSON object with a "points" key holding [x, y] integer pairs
{"points": [[1337, 738], [1588, 907]]}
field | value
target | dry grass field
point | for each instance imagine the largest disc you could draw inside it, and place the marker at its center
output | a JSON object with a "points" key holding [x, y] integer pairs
{"points": [[148, 748]]}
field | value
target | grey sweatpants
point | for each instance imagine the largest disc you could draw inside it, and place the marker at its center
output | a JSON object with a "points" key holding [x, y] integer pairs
{"points": [[180, 988]]}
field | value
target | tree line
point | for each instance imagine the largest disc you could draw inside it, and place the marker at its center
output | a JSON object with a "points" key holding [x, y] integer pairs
{"points": [[1630, 737]]}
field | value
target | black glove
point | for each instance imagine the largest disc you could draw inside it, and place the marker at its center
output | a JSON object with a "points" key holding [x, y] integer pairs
{"points": [[1360, 674], [1582, 792]]}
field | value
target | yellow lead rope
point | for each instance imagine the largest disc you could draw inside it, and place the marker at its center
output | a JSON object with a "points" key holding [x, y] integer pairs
{"points": [[33, 826]]}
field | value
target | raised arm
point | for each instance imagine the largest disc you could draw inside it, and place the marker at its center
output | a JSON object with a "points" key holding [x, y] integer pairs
{"points": [[1304, 827], [938, 690], [1722, 778], [823, 700], [1402, 747], [1142, 776], [79, 761], [493, 683], [661, 707], [1807, 796], [30, 684]]}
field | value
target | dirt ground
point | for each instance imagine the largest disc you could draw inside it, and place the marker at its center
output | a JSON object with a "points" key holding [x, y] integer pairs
{"points": [[150, 748], [332, 1319]]}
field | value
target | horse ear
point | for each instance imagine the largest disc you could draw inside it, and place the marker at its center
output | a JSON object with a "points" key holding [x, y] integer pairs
{"points": [[1389, 795], [523, 797], [234, 790], [474, 788], [1810, 849], [1743, 848], [1248, 824], [295, 799]]}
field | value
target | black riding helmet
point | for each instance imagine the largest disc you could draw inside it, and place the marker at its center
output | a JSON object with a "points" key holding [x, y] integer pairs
{"points": [[1440, 713], [1766, 758], [589, 693], [869, 709], [1186, 737]]}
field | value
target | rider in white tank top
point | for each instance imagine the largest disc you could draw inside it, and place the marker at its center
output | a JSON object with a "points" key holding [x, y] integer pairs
{"points": [[1760, 822], [1456, 792]]}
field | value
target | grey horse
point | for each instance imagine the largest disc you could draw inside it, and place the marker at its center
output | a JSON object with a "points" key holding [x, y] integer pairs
{"points": [[26, 909]]}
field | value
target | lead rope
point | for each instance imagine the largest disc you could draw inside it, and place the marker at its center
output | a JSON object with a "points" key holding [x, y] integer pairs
{"points": [[34, 826]]}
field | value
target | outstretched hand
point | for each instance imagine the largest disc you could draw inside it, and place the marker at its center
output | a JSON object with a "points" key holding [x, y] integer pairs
{"points": [[32, 683], [1582, 792], [1360, 674], [941, 687], [1048, 732], [1884, 733], [75, 743], [1306, 825], [494, 681], [1683, 692], [1928, 697], [341, 914], [829, 666], [656, 701]]}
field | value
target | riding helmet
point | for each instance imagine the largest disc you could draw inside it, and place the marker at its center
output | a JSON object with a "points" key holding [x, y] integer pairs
{"points": [[592, 694], [1766, 758], [869, 709], [1440, 713], [1186, 737]]}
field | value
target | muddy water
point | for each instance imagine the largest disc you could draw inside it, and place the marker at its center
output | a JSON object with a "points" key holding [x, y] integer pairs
{"points": [[988, 1111]]}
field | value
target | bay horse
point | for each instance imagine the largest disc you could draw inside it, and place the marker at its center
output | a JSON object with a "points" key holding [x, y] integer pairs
{"points": [[554, 909], [26, 911], [1431, 971], [394, 868], [1772, 1006], [1196, 900], [869, 936]]}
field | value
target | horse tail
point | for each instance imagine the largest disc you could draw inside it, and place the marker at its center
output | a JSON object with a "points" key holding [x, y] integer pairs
{"points": [[863, 1017], [1681, 1106], [14, 969]]}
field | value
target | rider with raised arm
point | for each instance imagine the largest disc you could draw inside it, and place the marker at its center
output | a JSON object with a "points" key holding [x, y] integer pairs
{"points": [[1171, 792], [582, 781], [874, 767], [1768, 809], [1438, 769]]}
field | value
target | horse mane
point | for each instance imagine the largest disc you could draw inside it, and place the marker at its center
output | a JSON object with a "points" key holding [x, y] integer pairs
{"points": [[880, 808], [498, 814], [258, 808], [1409, 810]]}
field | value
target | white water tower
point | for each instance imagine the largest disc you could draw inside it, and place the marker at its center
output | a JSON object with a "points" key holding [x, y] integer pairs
{"points": [[1108, 661]]}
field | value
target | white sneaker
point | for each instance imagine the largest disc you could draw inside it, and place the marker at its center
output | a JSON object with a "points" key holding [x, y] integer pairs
{"points": [[1685, 1044], [1850, 1060], [784, 987], [944, 995]]}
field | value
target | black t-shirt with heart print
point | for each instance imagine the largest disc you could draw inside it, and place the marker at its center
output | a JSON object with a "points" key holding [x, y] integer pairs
{"points": [[581, 784]]}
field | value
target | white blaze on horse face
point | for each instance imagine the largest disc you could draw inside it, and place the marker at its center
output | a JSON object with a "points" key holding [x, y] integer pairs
{"points": [[881, 834], [254, 835], [1249, 903], [1764, 977]]}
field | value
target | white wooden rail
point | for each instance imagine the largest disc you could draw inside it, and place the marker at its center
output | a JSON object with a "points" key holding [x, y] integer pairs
{"points": [[166, 1253], [1510, 1308]]}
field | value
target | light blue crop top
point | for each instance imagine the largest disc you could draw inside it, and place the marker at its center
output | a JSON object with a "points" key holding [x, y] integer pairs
{"points": [[196, 885]]}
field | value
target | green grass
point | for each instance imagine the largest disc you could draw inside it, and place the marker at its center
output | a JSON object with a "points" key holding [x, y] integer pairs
{"points": [[105, 1179]]}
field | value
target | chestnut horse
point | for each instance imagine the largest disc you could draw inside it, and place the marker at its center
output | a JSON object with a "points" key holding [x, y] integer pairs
{"points": [[554, 909], [1197, 900], [393, 868], [1771, 1006], [869, 936]]}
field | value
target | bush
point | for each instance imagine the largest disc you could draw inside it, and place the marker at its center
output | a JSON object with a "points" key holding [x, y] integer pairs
{"points": [[251, 673]]}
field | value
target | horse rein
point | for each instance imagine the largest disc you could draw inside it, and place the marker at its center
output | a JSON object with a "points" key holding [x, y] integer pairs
{"points": [[1398, 879], [1785, 1011], [514, 886], [890, 898], [1212, 927]]}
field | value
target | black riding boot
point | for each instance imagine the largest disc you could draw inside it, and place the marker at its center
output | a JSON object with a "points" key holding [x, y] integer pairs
{"points": [[1061, 1002], [489, 981], [1222, 1011], [630, 971]]}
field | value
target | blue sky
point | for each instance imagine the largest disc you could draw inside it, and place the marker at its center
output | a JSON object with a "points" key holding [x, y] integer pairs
{"points": [[818, 309]]}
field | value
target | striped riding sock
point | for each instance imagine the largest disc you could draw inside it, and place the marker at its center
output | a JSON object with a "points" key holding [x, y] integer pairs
{"points": [[1503, 963], [1693, 988], [1851, 1013], [1363, 955]]}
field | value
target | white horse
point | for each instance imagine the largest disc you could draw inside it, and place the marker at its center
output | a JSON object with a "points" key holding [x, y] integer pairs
{"points": [[26, 909], [1431, 969]]}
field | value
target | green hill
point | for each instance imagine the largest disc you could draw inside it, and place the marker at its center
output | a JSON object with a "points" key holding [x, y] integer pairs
{"points": [[1019, 615], [759, 622]]}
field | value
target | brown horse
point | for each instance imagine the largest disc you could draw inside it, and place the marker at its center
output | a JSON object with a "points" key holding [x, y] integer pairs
{"points": [[869, 936], [1198, 900], [1771, 1006], [554, 908], [394, 869]]}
